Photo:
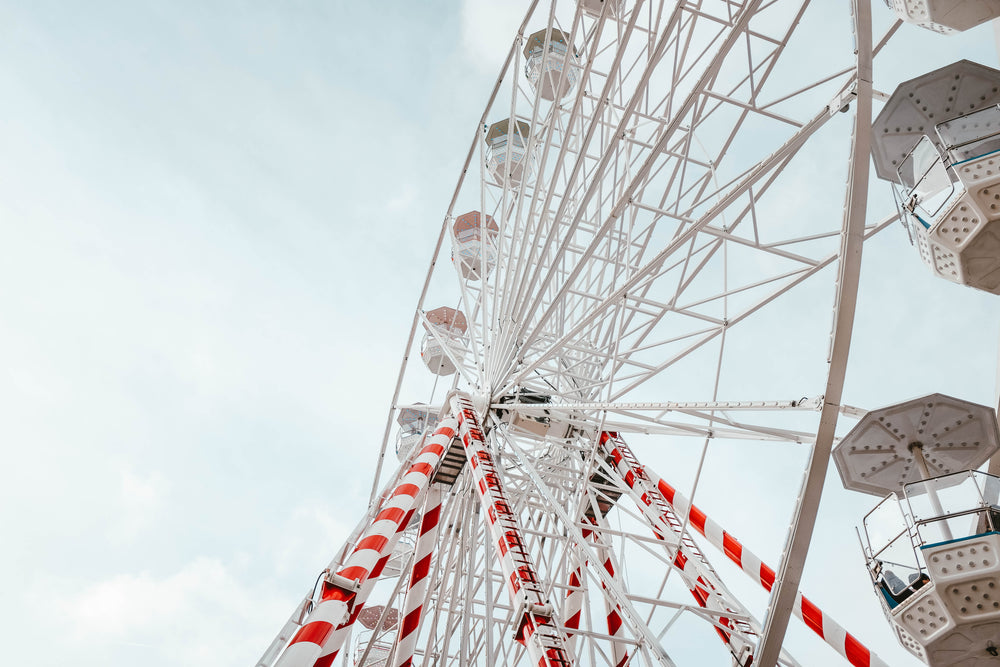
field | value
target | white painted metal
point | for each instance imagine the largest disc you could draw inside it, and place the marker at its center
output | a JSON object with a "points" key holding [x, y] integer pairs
{"points": [[946, 16]]}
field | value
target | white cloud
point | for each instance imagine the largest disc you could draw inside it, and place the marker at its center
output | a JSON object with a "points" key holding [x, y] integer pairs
{"points": [[142, 497], [205, 613], [487, 30]]}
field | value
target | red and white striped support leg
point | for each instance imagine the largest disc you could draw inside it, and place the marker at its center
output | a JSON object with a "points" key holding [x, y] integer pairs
{"points": [[614, 617], [342, 593], [340, 633], [575, 598], [832, 633], [409, 624], [536, 632], [690, 562]]}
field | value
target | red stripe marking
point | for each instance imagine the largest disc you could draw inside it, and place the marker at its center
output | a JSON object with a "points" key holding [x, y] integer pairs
{"points": [[326, 660], [410, 622], [420, 570], [614, 623], [331, 592], [733, 548], [430, 521], [316, 632], [574, 580], [373, 542], [379, 566], [698, 519], [393, 514], [667, 491], [680, 560], [857, 654], [432, 448], [573, 621], [609, 567], [445, 430], [355, 572], [812, 616], [406, 490], [766, 576], [422, 468]]}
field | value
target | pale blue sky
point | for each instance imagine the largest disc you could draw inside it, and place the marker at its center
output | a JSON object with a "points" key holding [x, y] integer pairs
{"points": [[214, 218]]}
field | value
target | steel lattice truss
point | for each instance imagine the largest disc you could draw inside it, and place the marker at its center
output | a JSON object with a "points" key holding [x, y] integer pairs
{"points": [[663, 214]]}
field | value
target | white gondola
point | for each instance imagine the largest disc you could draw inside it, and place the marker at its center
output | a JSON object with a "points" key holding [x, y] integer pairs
{"points": [[414, 422], [471, 246], [552, 71], [507, 155], [933, 544], [374, 644], [444, 343], [946, 16], [595, 7], [937, 140]]}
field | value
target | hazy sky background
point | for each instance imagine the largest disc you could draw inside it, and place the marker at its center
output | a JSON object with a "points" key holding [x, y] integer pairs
{"points": [[214, 220]]}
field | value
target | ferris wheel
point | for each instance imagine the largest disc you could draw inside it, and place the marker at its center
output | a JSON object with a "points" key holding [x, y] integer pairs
{"points": [[654, 245]]}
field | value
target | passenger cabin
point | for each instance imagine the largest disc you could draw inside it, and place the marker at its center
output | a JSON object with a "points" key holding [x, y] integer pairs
{"points": [[374, 644], [507, 158], [414, 422], [945, 16], [552, 71], [934, 560], [932, 545], [532, 418], [474, 240], [937, 141], [444, 343], [596, 7]]}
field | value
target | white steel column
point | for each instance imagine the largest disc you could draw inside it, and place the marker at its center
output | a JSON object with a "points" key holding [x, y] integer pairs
{"points": [[804, 518]]}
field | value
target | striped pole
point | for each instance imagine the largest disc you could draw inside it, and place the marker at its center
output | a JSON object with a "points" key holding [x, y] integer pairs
{"points": [[343, 631], [543, 641], [829, 630], [339, 635], [614, 618], [289, 629], [341, 592], [409, 624], [575, 597], [697, 573]]}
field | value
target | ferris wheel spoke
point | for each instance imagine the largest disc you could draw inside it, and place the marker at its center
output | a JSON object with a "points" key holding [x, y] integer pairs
{"points": [[758, 172], [628, 611], [607, 153]]}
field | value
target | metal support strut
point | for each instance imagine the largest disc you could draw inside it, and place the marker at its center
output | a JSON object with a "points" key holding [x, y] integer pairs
{"points": [[535, 631]]}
